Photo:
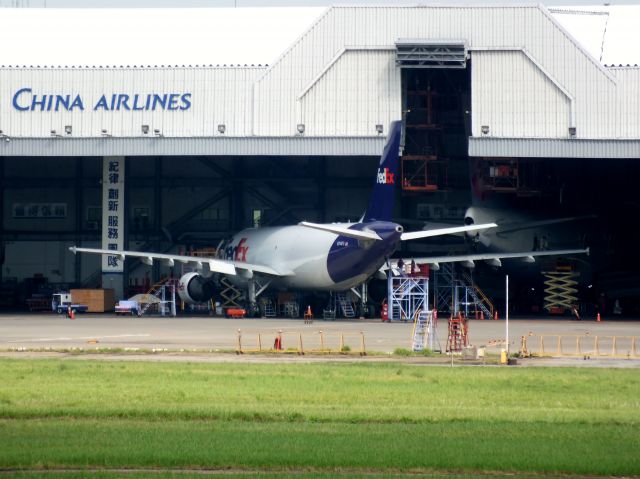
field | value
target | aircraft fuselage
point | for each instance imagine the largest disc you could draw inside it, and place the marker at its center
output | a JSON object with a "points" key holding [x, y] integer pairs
{"points": [[313, 259]]}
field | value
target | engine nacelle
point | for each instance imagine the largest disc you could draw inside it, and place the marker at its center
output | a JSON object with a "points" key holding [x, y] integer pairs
{"points": [[195, 288]]}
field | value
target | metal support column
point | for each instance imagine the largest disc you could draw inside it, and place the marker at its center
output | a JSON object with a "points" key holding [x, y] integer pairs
{"points": [[78, 220], [237, 202], [322, 188], [2, 250], [126, 216], [157, 216]]}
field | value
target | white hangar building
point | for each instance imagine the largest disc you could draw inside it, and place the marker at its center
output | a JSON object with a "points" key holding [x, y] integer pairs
{"points": [[201, 151]]}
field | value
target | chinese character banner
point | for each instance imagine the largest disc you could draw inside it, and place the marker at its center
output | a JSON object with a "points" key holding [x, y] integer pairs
{"points": [[112, 211]]}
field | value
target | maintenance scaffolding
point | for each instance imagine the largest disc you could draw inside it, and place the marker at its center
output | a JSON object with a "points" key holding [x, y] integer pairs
{"points": [[407, 296]]}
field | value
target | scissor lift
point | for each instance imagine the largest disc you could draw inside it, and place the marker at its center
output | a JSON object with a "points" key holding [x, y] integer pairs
{"points": [[560, 289]]}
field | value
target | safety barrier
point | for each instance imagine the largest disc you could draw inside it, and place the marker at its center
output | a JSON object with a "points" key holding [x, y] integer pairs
{"points": [[622, 347], [301, 342]]}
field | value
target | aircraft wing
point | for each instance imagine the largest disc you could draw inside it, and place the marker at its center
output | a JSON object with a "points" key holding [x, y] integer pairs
{"points": [[444, 231], [494, 258], [513, 227], [215, 265]]}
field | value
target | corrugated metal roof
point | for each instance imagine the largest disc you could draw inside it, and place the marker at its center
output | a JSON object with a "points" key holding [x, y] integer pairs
{"points": [[150, 36], [550, 148], [117, 67], [162, 146]]}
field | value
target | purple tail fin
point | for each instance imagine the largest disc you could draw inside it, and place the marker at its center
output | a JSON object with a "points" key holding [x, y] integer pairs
{"points": [[384, 187]]}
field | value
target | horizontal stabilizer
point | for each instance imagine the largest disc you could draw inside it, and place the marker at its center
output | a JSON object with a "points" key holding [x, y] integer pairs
{"points": [[343, 231], [444, 231]]}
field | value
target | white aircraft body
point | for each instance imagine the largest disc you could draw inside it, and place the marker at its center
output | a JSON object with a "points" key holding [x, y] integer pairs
{"points": [[518, 231], [320, 257]]}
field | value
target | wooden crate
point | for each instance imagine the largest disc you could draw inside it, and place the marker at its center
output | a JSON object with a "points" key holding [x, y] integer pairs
{"points": [[97, 300]]}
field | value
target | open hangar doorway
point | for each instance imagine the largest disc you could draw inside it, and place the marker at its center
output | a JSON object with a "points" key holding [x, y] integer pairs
{"points": [[172, 204]]}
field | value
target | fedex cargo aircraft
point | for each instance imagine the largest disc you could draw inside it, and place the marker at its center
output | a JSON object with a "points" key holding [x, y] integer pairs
{"points": [[310, 256]]}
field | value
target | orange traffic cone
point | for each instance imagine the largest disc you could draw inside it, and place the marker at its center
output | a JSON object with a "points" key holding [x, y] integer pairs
{"points": [[598, 318], [495, 315]]}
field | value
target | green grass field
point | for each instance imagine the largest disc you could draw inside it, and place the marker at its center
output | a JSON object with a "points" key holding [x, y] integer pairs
{"points": [[70, 417]]}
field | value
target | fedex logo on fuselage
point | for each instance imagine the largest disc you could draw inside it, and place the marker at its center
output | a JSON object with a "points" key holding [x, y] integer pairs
{"points": [[385, 177], [238, 252]]}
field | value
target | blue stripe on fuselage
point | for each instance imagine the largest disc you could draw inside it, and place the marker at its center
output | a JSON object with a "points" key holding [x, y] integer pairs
{"points": [[349, 257]]}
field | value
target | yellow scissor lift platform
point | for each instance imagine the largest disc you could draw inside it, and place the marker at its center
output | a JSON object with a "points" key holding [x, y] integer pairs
{"points": [[560, 289]]}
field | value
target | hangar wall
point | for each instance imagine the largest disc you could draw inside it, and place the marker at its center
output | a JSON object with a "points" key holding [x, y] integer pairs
{"points": [[514, 97], [531, 29], [332, 106], [215, 95], [339, 79]]}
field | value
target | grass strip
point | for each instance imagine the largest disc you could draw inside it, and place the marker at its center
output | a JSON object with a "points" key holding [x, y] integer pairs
{"points": [[461, 446], [360, 418], [357, 393]]}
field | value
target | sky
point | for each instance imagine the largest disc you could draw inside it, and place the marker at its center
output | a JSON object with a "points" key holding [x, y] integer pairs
{"points": [[227, 35], [262, 3]]}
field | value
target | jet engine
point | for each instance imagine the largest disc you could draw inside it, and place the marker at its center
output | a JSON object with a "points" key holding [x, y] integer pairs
{"points": [[195, 288]]}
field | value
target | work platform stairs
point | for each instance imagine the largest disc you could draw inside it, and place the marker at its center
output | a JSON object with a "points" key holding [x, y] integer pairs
{"points": [[268, 308], [407, 295], [165, 292], [456, 292], [344, 305], [425, 332], [476, 301]]}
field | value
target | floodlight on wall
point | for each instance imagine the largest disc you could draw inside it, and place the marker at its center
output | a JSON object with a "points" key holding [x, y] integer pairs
{"points": [[157, 132], [222, 128], [105, 133], [68, 129], [301, 128], [145, 129], [484, 129], [54, 134], [379, 129], [572, 132]]}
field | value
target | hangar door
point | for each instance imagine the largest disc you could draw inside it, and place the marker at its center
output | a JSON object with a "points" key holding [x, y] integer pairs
{"points": [[436, 104]]}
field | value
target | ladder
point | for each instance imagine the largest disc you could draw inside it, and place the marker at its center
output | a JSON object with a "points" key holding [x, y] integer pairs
{"points": [[479, 299], [458, 334], [425, 332], [165, 291], [345, 305], [268, 308], [329, 313], [444, 281]]}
